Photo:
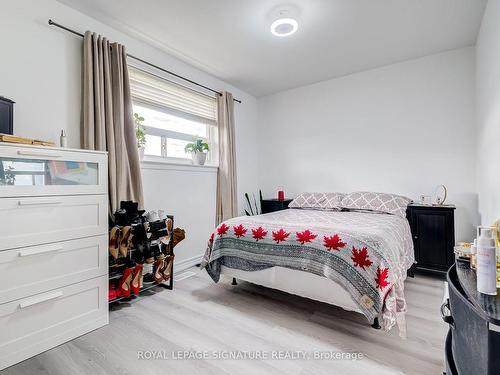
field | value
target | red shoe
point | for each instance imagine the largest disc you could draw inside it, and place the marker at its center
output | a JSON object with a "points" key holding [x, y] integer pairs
{"points": [[135, 285], [124, 284], [112, 292]]}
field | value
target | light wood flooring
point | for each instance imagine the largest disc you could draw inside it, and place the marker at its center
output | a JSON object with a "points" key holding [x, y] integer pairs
{"points": [[199, 315]]}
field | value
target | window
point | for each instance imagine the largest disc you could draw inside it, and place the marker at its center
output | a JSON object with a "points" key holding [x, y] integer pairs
{"points": [[173, 116]]}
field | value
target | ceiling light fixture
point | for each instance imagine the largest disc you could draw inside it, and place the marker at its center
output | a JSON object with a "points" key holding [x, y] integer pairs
{"points": [[284, 27]]}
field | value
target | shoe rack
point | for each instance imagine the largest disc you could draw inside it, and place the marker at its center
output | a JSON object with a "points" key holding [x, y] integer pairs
{"points": [[166, 254]]}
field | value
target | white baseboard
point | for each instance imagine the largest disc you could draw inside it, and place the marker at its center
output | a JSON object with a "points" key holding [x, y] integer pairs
{"points": [[187, 263]]}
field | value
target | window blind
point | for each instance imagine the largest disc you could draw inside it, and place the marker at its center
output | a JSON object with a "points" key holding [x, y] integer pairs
{"points": [[181, 101]]}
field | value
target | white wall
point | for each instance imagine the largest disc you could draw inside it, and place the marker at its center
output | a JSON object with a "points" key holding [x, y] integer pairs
{"points": [[488, 114], [403, 128], [40, 70]]}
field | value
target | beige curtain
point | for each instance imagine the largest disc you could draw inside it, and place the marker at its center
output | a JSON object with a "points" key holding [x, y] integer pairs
{"points": [[107, 117], [227, 203]]}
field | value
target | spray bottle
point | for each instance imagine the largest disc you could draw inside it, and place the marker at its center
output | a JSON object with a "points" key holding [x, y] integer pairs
{"points": [[486, 261]]}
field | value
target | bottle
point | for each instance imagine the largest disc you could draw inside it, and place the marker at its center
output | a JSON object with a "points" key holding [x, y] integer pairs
{"points": [[281, 193], [473, 255], [63, 140], [486, 261], [496, 236]]}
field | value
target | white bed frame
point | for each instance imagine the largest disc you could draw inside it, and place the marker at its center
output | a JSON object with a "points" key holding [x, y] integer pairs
{"points": [[300, 283]]}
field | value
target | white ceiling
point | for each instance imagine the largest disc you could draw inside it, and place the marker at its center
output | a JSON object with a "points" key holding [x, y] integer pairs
{"points": [[231, 40]]}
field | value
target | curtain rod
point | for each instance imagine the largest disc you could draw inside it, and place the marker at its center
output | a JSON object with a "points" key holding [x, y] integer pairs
{"points": [[52, 23]]}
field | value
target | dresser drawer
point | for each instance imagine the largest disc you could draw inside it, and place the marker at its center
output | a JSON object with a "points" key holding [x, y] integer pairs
{"points": [[34, 221], [35, 269], [35, 171], [32, 325]]}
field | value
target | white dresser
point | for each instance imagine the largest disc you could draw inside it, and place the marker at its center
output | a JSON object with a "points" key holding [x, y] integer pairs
{"points": [[53, 247]]}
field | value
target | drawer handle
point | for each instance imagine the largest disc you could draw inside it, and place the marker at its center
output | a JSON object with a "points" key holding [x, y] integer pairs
{"points": [[447, 318], [38, 202], [39, 299], [38, 154], [44, 250]]}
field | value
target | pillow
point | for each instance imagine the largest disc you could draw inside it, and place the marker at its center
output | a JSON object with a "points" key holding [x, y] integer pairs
{"points": [[318, 201], [381, 202]]}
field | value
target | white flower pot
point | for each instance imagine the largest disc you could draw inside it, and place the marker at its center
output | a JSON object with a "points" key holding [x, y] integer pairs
{"points": [[199, 158], [141, 153]]}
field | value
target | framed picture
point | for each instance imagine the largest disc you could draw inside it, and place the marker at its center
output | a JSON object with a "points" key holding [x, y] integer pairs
{"points": [[6, 115]]}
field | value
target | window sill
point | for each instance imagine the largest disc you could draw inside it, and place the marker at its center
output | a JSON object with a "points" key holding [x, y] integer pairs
{"points": [[152, 163]]}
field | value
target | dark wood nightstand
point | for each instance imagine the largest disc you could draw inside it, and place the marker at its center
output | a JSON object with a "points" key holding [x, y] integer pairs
{"points": [[271, 205], [433, 231]]}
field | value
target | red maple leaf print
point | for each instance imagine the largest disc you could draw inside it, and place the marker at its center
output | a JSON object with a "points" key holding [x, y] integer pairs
{"points": [[381, 278], [333, 242], [305, 236], [259, 233], [360, 257], [239, 231], [280, 236], [211, 239], [222, 229]]}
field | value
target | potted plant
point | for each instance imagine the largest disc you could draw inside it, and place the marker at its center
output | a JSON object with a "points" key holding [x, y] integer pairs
{"points": [[198, 150], [140, 134]]}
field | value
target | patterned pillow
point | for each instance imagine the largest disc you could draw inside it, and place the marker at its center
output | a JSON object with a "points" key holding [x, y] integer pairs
{"points": [[318, 201], [381, 202]]}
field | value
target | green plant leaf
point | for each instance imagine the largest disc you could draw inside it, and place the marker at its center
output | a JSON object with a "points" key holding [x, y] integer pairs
{"points": [[197, 146]]}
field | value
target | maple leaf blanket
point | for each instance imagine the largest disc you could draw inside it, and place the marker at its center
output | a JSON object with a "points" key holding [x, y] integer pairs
{"points": [[366, 253]]}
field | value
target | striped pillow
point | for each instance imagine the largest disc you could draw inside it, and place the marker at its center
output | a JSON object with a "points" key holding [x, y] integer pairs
{"points": [[380, 202], [318, 201]]}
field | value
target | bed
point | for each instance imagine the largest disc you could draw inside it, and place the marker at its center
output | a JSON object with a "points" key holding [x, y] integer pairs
{"points": [[355, 260]]}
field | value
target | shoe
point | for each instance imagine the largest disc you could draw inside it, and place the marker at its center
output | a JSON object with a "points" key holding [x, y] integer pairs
{"points": [[135, 285], [124, 241], [133, 214], [167, 270], [121, 218], [138, 254], [112, 292], [148, 253], [179, 235], [155, 249], [147, 271], [169, 223], [152, 216], [113, 242], [158, 267], [124, 284]]}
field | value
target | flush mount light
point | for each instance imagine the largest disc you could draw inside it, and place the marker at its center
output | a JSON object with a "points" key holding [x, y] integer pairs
{"points": [[284, 27]]}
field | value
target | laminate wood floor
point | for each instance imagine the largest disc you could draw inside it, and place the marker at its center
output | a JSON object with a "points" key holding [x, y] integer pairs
{"points": [[199, 315]]}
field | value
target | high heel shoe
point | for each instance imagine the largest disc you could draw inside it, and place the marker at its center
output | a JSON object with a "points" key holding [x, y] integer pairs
{"points": [[135, 285], [179, 235], [167, 270], [123, 289], [124, 241], [112, 292], [113, 242], [157, 272]]}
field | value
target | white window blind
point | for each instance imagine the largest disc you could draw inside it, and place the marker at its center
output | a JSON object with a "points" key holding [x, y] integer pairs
{"points": [[176, 99]]}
